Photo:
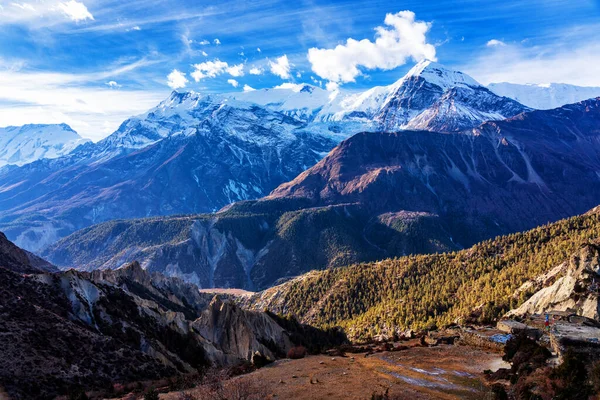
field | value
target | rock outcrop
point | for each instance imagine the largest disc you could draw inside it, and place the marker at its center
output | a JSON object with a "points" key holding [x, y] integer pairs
{"points": [[73, 329], [576, 291]]}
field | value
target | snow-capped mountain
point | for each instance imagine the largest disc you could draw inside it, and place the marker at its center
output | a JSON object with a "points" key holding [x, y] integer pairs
{"points": [[433, 97], [376, 195], [544, 96], [429, 97], [196, 153], [24, 144]]}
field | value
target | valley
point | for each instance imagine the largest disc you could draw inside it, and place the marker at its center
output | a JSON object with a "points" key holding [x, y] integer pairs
{"points": [[299, 200]]}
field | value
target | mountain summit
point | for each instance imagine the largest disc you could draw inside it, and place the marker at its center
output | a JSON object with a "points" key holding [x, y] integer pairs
{"points": [[24, 144]]}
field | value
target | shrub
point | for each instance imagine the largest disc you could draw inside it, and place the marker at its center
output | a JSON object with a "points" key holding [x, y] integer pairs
{"points": [[151, 394]]}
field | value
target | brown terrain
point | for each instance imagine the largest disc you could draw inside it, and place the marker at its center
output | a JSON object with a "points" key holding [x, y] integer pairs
{"points": [[441, 372]]}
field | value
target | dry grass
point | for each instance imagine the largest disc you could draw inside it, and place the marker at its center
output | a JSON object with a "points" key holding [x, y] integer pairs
{"points": [[442, 372]]}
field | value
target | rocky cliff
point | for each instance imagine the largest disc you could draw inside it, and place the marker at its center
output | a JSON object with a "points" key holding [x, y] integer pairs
{"points": [[77, 329], [576, 287]]}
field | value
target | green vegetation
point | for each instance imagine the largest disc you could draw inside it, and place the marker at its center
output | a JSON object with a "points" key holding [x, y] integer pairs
{"points": [[427, 291]]}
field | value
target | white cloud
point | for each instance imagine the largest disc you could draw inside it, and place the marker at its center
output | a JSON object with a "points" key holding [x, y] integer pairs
{"points": [[41, 13], [217, 42], [405, 38], [208, 69], [211, 69], [205, 54], [256, 71], [281, 67], [176, 79], [76, 11], [233, 82], [258, 49], [23, 6], [332, 86], [248, 88], [92, 110], [236, 70], [113, 84], [495, 42], [574, 62], [136, 28], [203, 42], [296, 87]]}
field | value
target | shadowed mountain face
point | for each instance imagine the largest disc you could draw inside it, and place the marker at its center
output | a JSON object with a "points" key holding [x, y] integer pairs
{"points": [[376, 195], [73, 329]]}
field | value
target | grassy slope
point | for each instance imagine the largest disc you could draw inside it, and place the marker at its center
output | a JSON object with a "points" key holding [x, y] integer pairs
{"points": [[424, 291]]}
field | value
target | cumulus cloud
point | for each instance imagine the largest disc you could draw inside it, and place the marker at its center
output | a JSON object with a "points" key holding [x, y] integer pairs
{"points": [[204, 42], [211, 69], [258, 49], [248, 88], [281, 67], [332, 86], [208, 69], [217, 42], [113, 84], [176, 79], [205, 54], [495, 42], [236, 70], [75, 10], [256, 71], [573, 61], [402, 39], [233, 82]]}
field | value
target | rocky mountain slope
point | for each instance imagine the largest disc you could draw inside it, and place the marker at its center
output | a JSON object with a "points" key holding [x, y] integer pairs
{"points": [[575, 287], [376, 195], [197, 153], [168, 162], [476, 285], [74, 329], [24, 144], [544, 96]]}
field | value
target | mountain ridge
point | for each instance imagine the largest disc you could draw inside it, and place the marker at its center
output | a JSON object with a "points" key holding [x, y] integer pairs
{"points": [[199, 152], [443, 191]]}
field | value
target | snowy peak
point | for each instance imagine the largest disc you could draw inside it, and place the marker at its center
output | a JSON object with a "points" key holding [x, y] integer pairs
{"points": [[21, 145], [544, 96], [441, 76]]}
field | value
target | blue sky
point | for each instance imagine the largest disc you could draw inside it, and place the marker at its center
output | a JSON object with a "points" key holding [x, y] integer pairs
{"points": [[93, 63]]}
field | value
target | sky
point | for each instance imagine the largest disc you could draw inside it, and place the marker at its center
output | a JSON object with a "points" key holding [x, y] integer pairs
{"points": [[94, 63]]}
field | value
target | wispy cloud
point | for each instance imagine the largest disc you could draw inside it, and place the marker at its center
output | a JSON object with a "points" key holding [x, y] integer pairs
{"points": [[86, 101], [574, 62], [495, 42]]}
